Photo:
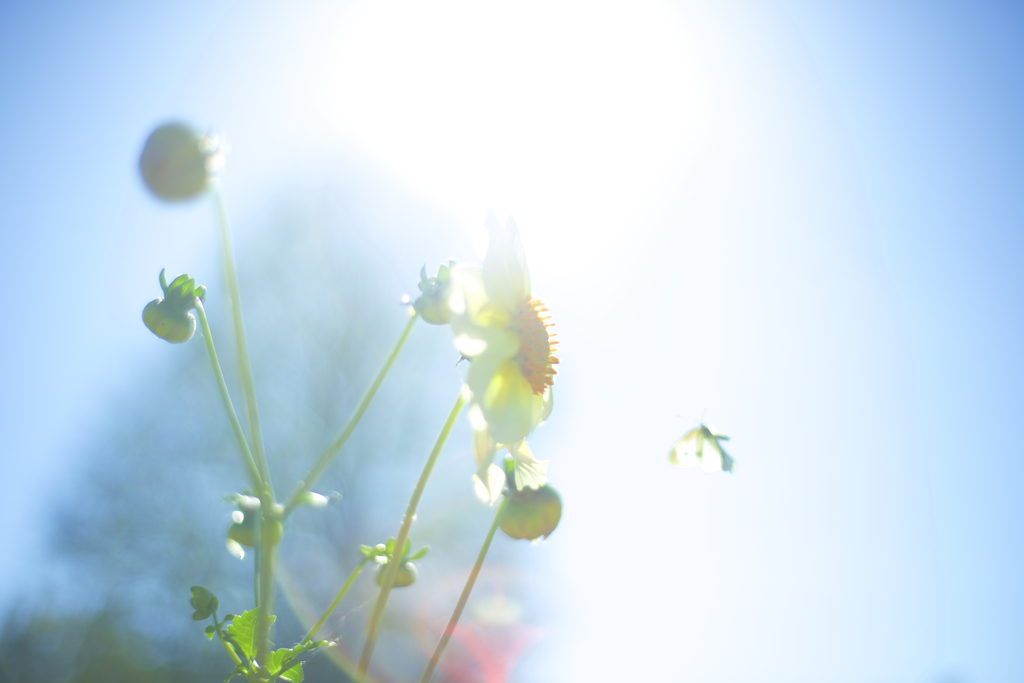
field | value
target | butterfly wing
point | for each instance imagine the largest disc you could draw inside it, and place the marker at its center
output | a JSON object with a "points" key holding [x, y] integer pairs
{"points": [[687, 452], [728, 464], [700, 446]]}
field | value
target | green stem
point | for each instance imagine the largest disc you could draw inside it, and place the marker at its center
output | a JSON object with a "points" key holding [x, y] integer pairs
{"points": [[337, 599], [236, 426], [256, 572], [467, 589], [268, 566], [242, 347], [373, 624], [332, 450], [231, 650]]}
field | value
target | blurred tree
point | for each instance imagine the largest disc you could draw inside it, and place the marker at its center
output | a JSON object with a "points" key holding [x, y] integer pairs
{"points": [[148, 518]]}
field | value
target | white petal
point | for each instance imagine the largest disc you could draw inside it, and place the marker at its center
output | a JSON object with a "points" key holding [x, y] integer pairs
{"points": [[505, 274], [547, 405], [529, 471], [483, 445], [509, 405], [489, 491], [469, 346]]}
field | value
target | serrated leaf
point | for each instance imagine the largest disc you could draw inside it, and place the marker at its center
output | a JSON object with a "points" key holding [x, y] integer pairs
{"points": [[237, 671], [210, 630], [243, 631], [277, 658], [288, 657], [294, 674]]}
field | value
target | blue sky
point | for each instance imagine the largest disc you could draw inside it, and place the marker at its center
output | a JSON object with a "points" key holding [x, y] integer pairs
{"points": [[802, 220]]}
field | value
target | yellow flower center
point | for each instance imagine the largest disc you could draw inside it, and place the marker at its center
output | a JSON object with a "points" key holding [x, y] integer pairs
{"points": [[536, 355]]}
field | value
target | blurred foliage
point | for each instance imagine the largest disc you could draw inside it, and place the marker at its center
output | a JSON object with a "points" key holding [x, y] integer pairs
{"points": [[148, 518], [93, 648]]}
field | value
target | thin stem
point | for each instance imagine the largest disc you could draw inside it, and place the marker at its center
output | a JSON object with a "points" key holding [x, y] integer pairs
{"points": [[337, 599], [236, 426], [268, 565], [231, 650], [332, 450], [467, 589], [373, 624], [242, 347], [256, 572]]}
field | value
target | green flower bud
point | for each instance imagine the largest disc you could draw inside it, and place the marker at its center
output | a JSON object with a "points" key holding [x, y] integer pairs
{"points": [[177, 162], [168, 324], [243, 531], [433, 304], [169, 318], [406, 575], [532, 513]]}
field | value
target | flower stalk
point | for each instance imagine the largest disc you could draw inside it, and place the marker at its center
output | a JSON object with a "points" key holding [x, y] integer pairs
{"points": [[236, 426], [332, 450], [242, 347], [435, 657], [373, 624], [337, 600]]}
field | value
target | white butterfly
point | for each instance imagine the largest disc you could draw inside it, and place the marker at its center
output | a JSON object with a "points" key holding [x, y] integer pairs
{"points": [[700, 446]]}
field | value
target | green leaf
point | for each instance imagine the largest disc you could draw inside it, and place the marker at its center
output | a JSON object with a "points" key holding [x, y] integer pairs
{"points": [[201, 614], [238, 671], [406, 548], [279, 657], [293, 674], [179, 281], [419, 553], [163, 281], [288, 657], [210, 630], [202, 598], [243, 631], [389, 547], [367, 551]]}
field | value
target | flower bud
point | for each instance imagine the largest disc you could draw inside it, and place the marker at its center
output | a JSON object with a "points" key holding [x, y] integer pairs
{"points": [[433, 304], [406, 575], [532, 513], [168, 324], [169, 318], [244, 532], [177, 162]]}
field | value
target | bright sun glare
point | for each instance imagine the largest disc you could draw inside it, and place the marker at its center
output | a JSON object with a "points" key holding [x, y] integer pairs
{"points": [[564, 113]]}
